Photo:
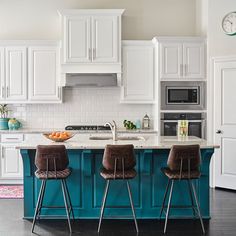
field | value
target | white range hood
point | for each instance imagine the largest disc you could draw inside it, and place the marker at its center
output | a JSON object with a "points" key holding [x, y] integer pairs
{"points": [[91, 80]]}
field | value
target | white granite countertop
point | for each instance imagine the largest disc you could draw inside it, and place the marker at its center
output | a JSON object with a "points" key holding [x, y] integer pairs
{"points": [[35, 131], [147, 142]]}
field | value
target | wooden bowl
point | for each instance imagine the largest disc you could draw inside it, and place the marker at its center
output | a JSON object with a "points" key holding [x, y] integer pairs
{"points": [[58, 139]]}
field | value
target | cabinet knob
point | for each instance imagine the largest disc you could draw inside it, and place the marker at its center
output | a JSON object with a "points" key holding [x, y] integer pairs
{"points": [[219, 131]]}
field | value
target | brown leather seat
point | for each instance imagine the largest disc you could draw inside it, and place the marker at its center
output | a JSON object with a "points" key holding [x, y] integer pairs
{"points": [[51, 162], [118, 162], [171, 174], [109, 174], [61, 174], [183, 162]]}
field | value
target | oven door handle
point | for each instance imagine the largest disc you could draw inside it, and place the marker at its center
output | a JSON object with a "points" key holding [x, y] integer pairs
{"points": [[189, 121]]}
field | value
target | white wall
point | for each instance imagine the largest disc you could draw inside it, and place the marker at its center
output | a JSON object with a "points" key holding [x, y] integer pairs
{"points": [[143, 19], [80, 106], [202, 17], [220, 44]]}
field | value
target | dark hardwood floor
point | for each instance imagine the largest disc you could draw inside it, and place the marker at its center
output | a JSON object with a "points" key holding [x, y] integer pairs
{"points": [[223, 222]]}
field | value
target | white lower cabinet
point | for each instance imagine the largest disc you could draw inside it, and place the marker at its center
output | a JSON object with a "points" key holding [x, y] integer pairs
{"points": [[11, 161], [138, 72]]}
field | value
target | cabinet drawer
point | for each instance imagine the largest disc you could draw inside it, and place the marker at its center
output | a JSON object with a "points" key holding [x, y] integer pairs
{"points": [[12, 138]]}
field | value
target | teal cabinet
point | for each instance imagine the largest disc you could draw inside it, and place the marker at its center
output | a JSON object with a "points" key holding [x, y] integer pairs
{"points": [[86, 187]]}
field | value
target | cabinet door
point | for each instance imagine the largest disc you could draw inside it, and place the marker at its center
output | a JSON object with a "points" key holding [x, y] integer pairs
{"points": [[11, 163], [138, 74], [105, 38], [44, 74], [193, 60], [2, 74], [77, 39], [171, 61], [16, 77]]}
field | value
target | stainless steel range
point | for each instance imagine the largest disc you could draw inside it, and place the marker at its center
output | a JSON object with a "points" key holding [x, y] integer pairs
{"points": [[87, 127]]}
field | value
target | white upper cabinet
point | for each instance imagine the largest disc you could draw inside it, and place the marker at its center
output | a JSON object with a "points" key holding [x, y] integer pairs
{"points": [[138, 72], [30, 72], [105, 38], [181, 58], [44, 74], [77, 40], [194, 60], [91, 39], [171, 60], [2, 73], [16, 74]]}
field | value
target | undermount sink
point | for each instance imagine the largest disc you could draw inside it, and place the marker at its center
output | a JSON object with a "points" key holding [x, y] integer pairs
{"points": [[124, 138]]}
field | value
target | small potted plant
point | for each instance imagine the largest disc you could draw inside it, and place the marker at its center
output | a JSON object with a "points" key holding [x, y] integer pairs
{"points": [[4, 111]]}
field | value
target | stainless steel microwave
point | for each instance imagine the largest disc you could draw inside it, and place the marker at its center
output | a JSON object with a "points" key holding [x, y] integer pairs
{"points": [[182, 95]]}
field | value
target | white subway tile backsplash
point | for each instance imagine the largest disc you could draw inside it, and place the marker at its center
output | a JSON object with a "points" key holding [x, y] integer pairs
{"points": [[80, 106]]}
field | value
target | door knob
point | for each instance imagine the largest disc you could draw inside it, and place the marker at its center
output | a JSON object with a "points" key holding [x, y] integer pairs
{"points": [[219, 131]]}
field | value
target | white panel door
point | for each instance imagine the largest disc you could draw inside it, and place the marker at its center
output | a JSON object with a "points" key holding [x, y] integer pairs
{"points": [[171, 61], [105, 38], [225, 124], [2, 74], [77, 39], [11, 163], [193, 60], [16, 77], [44, 74], [138, 74]]}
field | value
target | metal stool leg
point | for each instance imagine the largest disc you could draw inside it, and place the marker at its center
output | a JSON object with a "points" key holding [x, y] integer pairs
{"points": [[132, 206], [198, 208], [69, 199], [66, 206], [164, 199], [191, 197], [40, 198], [169, 205], [103, 204]]}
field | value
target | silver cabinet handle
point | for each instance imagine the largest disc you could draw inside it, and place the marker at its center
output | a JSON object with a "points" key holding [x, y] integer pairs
{"points": [[90, 54], [59, 92], [3, 95], [7, 92], [185, 69], [181, 69], [94, 54], [2, 153]]}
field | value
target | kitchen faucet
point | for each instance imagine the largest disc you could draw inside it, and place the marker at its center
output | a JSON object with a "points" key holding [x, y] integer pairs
{"points": [[113, 129]]}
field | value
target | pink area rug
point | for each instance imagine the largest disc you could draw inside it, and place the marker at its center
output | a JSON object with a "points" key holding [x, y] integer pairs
{"points": [[11, 191]]}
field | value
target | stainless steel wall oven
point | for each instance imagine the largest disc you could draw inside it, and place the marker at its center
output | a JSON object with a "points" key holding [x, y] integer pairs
{"points": [[197, 124]]}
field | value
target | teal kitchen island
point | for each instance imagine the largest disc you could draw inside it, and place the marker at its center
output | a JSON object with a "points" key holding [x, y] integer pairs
{"points": [[86, 187]]}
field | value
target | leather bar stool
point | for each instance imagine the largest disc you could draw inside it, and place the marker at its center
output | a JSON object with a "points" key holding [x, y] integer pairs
{"points": [[183, 164], [118, 163], [52, 164]]}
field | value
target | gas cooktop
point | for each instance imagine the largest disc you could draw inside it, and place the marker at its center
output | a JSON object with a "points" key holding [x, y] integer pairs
{"points": [[87, 127]]}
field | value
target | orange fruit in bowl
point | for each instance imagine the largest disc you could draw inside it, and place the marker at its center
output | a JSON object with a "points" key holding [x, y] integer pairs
{"points": [[57, 134]]}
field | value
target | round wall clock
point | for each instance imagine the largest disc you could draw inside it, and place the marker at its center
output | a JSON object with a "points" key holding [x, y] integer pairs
{"points": [[229, 23]]}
